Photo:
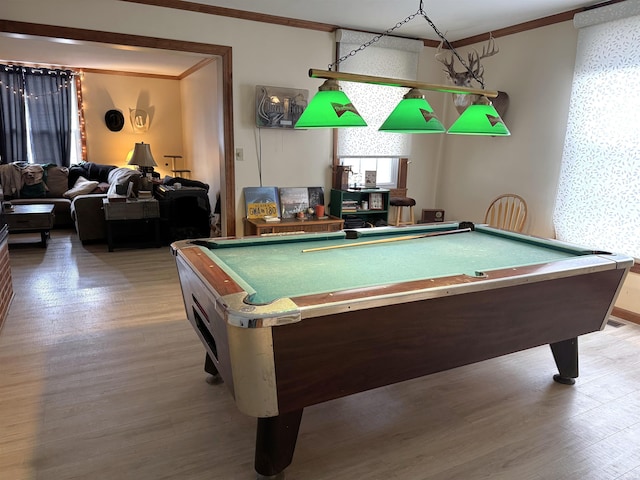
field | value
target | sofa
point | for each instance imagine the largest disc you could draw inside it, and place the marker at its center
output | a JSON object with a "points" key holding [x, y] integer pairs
{"points": [[76, 192]]}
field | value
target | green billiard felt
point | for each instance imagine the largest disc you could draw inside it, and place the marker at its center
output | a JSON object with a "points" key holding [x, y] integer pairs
{"points": [[276, 267]]}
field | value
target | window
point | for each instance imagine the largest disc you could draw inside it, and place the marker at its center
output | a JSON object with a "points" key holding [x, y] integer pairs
{"points": [[366, 148], [598, 200], [40, 111], [76, 132], [386, 169]]}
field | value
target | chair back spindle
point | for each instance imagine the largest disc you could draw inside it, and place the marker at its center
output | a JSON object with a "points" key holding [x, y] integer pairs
{"points": [[507, 212]]}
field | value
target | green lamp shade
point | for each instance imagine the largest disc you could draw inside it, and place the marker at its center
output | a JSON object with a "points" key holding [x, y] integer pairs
{"points": [[330, 109], [412, 115], [479, 120]]}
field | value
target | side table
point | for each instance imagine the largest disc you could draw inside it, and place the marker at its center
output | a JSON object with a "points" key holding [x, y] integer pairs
{"points": [[258, 226], [133, 223]]}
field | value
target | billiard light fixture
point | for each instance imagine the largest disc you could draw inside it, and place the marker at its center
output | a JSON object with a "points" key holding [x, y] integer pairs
{"points": [[331, 108], [479, 118], [412, 115]]}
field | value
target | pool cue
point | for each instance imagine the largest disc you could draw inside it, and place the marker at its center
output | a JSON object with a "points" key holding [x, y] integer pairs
{"points": [[387, 240]]}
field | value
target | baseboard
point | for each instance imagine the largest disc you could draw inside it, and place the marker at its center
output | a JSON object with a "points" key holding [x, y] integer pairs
{"points": [[626, 315]]}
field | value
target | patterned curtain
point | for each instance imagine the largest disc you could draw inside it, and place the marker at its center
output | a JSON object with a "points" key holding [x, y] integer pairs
{"points": [[13, 126], [598, 199]]}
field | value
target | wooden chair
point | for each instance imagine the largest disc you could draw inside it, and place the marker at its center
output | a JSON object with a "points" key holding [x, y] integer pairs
{"points": [[507, 212]]}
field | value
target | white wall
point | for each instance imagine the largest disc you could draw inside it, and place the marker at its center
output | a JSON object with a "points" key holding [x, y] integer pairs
{"points": [[422, 177], [200, 121], [536, 69], [160, 98]]}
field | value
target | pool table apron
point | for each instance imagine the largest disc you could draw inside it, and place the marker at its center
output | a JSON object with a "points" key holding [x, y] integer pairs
{"points": [[302, 351]]}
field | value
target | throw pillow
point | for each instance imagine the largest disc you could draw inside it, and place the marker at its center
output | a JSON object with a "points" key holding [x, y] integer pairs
{"points": [[56, 180], [33, 191], [102, 188], [81, 187], [33, 187]]}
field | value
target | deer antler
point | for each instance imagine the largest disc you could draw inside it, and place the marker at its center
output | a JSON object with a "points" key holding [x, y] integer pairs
{"points": [[489, 49], [474, 57], [474, 64], [447, 60]]}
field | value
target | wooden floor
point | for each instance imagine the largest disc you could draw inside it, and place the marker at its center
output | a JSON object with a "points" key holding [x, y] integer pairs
{"points": [[101, 378]]}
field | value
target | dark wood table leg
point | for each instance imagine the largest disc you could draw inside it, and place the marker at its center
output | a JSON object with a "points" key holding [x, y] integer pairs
{"points": [[44, 237], [276, 442], [156, 232], [210, 368], [565, 353], [109, 236]]}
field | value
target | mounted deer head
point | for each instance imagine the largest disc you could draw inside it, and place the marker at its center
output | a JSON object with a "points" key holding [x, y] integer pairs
{"points": [[474, 72]]}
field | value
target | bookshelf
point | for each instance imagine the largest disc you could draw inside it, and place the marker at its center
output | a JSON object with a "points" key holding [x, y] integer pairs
{"points": [[346, 204]]}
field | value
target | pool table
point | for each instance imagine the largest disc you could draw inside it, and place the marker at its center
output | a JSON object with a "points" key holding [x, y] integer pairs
{"points": [[294, 320]]}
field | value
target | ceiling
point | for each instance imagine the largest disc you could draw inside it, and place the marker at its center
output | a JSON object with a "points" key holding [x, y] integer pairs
{"points": [[469, 18], [99, 56], [457, 19]]}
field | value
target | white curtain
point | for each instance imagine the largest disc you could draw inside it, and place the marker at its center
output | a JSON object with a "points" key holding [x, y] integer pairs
{"points": [[598, 200], [388, 57]]}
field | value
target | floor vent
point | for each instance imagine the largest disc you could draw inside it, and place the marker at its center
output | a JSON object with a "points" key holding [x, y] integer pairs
{"points": [[615, 324]]}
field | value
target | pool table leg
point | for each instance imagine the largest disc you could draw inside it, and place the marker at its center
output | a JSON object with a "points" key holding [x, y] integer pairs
{"points": [[275, 442], [210, 368], [565, 353]]}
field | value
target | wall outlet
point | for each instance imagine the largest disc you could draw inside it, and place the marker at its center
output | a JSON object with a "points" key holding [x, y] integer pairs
{"points": [[239, 154]]}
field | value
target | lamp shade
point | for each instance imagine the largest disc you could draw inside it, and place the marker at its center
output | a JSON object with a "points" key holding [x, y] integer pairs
{"points": [[479, 119], [142, 156], [330, 108], [412, 115]]}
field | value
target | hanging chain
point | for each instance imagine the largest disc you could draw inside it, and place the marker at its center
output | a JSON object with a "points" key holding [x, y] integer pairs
{"points": [[389, 31], [448, 44]]}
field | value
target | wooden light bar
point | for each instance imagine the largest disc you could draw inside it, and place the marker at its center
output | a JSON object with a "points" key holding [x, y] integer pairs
{"points": [[396, 82]]}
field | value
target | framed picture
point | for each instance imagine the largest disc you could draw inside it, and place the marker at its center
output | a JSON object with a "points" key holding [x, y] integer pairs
{"points": [[293, 200], [375, 201], [369, 179], [261, 202], [316, 196], [279, 107]]}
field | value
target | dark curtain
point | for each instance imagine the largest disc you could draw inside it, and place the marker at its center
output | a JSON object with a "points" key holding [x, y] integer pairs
{"points": [[13, 126], [49, 97]]}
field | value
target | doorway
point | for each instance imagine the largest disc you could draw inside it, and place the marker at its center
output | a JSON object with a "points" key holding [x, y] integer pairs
{"points": [[225, 93]]}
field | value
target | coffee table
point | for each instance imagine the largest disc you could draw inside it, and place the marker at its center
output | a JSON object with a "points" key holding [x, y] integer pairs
{"points": [[30, 219]]}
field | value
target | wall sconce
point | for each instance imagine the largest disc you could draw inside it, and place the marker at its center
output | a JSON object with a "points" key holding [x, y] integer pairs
{"points": [[139, 120]]}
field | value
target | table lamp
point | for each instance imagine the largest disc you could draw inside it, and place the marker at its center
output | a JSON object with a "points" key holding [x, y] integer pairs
{"points": [[144, 160]]}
